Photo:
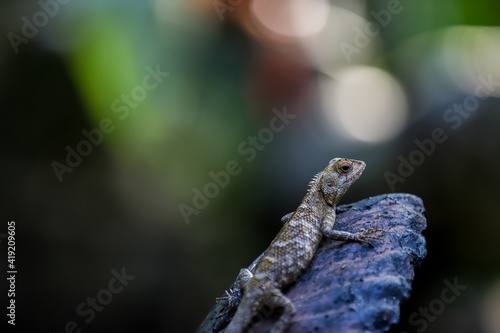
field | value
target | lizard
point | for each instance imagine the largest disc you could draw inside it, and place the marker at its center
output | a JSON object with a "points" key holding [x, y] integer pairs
{"points": [[294, 246]]}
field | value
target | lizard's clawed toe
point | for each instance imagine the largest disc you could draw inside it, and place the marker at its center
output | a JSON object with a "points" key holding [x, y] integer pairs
{"points": [[368, 234], [226, 297]]}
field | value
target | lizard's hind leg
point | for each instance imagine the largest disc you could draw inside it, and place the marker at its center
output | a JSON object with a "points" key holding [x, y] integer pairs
{"points": [[234, 295], [277, 299]]}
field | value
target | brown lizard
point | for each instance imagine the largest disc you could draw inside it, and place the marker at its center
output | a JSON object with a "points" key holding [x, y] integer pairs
{"points": [[293, 248]]}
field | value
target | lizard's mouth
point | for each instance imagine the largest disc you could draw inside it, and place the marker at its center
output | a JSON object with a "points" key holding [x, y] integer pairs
{"points": [[358, 173]]}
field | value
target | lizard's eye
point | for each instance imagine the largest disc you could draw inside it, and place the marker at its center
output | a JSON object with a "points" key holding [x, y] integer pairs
{"points": [[345, 168], [329, 184]]}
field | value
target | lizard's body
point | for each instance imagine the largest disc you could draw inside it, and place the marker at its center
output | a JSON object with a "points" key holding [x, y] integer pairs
{"points": [[292, 249]]}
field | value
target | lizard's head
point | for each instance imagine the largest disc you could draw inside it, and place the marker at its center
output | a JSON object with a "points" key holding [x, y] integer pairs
{"points": [[338, 176]]}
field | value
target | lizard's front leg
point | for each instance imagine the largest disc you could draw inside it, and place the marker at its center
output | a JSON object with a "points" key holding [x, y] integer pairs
{"points": [[362, 235]]}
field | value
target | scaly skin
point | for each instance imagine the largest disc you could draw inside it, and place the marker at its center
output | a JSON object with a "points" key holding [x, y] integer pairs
{"points": [[292, 249]]}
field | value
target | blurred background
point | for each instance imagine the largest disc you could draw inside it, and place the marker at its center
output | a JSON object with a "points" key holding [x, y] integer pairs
{"points": [[161, 141]]}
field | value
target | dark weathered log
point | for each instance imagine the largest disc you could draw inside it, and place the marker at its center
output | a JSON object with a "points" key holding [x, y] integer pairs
{"points": [[352, 287]]}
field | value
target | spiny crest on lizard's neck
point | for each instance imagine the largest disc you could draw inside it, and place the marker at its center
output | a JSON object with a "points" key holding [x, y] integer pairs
{"points": [[314, 191], [314, 184]]}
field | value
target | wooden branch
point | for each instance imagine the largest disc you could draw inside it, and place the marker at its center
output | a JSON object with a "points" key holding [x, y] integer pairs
{"points": [[352, 287]]}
